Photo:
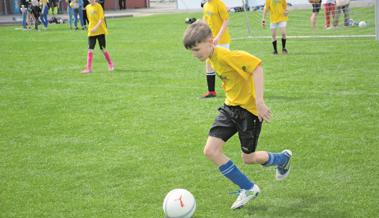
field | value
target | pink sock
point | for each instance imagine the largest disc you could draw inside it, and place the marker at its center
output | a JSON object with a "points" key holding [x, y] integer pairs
{"points": [[108, 58], [89, 60]]}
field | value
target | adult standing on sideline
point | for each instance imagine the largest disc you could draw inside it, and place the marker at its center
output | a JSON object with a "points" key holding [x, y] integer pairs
{"points": [[122, 4], [44, 12], [316, 6], [342, 5], [329, 8]]}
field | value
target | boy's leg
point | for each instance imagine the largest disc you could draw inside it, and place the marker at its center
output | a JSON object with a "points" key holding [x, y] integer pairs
{"points": [[249, 129], [91, 46], [211, 81], [274, 41], [223, 129], [213, 150], [284, 38], [107, 56]]}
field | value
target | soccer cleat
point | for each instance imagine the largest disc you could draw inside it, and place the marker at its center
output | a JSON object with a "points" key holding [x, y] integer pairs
{"points": [[86, 71], [283, 171], [245, 196], [284, 51], [210, 94], [110, 67]]}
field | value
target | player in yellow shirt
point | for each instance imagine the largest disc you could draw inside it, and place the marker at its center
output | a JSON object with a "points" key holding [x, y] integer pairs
{"points": [[244, 111], [96, 31], [216, 15], [278, 18]]}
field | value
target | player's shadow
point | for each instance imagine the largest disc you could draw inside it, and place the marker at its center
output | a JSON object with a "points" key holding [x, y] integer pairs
{"points": [[303, 205]]}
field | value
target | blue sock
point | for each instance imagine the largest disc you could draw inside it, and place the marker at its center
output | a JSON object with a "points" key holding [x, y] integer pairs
{"points": [[230, 171], [277, 159]]}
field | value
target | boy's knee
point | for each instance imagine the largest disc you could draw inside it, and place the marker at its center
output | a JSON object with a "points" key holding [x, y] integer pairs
{"points": [[210, 152]]}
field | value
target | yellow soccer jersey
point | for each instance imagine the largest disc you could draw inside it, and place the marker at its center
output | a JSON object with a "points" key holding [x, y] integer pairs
{"points": [[95, 13], [276, 9], [215, 13], [235, 69]]}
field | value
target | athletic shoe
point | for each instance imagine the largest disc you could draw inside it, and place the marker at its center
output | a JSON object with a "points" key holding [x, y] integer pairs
{"points": [[210, 94], [275, 53], [283, 171], [110, 68], [284, 51], [86, 71], [245, 196]]}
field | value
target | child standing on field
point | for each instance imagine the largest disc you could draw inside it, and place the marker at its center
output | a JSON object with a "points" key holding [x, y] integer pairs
{"points": [[96, 31], [329, 7], [278, 18], [216, 15], [244, 111]]}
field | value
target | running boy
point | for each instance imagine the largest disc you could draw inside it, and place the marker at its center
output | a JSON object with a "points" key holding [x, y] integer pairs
{"points": [[216, 15], [278, 18], [96, 31], [243, 111]]}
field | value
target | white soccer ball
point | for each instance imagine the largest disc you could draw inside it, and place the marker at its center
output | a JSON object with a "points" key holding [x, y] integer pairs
{"points": [[362, 24], [179, 203], [232, 10]]}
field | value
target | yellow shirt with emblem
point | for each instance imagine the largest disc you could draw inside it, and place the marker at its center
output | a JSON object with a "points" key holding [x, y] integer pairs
{"points": [[235, 69], [215, 13], [94, 14], [276, 9]]}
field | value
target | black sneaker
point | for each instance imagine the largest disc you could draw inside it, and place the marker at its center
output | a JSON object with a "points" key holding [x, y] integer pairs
{"points": [[284, 51]]}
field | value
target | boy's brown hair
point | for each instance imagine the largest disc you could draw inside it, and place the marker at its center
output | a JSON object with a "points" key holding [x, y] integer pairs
{"points": [[196, 33]]}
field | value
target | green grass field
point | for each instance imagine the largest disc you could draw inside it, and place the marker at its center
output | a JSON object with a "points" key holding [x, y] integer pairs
{"points": [[113, 144]]}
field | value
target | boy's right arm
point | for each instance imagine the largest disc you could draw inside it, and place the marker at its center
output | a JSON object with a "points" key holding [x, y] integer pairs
{"points": [[264, 113], [265, 9]]}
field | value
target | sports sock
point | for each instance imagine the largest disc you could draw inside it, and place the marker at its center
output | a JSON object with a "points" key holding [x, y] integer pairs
{"points": [[89, 60], [108, 58], [274, 45], [277, 159], [211, 80], [284, 43], [230, 171]]}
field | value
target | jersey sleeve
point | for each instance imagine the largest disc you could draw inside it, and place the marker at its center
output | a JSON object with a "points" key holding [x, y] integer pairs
{"points": [[101, 12], [267, 5], [223, 11], [244, 63]]}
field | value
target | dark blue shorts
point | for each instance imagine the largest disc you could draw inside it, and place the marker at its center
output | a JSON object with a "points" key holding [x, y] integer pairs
{"points": [[99, 38], [233, 119]]}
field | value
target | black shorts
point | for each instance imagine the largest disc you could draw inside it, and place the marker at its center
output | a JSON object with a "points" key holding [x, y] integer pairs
{"points": [[100, 39], [316, 7], [233, 119]]}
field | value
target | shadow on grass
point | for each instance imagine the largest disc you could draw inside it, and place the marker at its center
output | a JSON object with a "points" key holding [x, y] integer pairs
{"points": [[300, 205]]}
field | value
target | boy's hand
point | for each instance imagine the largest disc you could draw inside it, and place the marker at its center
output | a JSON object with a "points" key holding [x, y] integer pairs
{"points": [[286, 12], [263, 23], [264, 113], [215, 40], [94, 30]]}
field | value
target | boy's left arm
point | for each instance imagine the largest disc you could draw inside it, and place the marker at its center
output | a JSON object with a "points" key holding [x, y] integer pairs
{"points": [[222, 30], [284, 5], [264, 113]]}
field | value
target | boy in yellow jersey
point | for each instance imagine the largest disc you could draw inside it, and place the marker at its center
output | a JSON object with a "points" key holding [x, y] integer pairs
{"points": [[216, 15], [278, 18], [243, 111], [96, 31]]}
